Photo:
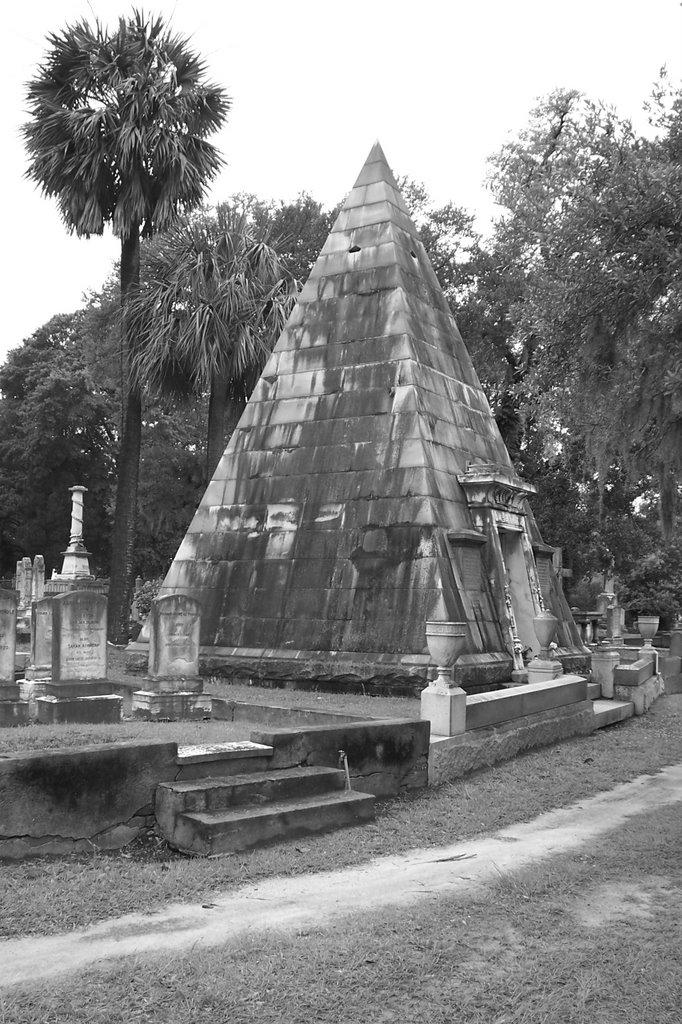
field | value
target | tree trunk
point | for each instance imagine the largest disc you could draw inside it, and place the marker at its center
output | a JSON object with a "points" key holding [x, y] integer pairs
{"points": [[128, 467], [215, 439], [224, 411]]}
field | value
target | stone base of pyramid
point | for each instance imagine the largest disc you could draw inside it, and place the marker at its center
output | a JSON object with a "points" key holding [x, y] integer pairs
{"points": [[349, 671]]}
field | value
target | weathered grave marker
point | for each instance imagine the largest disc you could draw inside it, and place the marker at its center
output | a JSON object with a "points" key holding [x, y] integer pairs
{"points": [[173, 686], [78, 690], [38, 672], [79, 637], [41, 639], [13, 711]]}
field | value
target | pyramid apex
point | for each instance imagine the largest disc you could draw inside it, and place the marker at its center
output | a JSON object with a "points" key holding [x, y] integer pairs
{"points": [[376, 168]]}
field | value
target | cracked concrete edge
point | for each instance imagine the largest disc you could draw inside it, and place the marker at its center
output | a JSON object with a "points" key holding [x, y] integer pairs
{"points": [[112, 838]]}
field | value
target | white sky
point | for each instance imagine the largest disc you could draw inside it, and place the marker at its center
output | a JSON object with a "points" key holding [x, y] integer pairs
{"points": [[440, 83]]}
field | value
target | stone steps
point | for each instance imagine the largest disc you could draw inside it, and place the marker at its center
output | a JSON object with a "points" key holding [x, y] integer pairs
{"points": [[225, 810], [594, 691], [608, 712], [228, 831], [222, 759]]}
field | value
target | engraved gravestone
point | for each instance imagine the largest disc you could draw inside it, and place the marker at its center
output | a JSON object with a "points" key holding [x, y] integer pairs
{"points": [[173, 686], [41, 637], [79, 637], [9, 600], [174, 637], [38, 581], [26, 582]]}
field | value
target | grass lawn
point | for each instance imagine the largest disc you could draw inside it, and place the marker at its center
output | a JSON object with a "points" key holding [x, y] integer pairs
{"points": [[51, 737], [65, 893], [582, 938]]}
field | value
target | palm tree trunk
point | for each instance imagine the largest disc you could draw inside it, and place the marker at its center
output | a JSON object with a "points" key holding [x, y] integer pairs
{"points": [[128, 467], [215, 439], [224, 411]]}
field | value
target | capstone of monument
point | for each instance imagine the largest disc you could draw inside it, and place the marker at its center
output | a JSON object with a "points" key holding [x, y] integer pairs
{"points": [[78, 690], [13, 710], [367, 490], [172, 689]]}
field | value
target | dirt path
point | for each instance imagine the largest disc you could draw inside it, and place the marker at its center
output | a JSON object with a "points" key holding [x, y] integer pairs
{"points": [[319, 900]]}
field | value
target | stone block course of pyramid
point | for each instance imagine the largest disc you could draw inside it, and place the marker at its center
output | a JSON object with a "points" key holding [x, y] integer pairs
{"points": [[336, 522]]}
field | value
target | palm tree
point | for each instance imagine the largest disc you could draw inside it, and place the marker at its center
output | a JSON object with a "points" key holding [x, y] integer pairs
{"points": [[214, 299], [118, 135]]}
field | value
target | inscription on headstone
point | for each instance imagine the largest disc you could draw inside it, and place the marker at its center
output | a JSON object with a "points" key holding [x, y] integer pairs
{"points": [[79, 636], [544, 576], [9, 599], [471, 568], [174, 624]]}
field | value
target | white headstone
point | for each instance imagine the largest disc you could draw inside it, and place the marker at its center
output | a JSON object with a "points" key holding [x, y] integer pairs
{"points": [[79, 636]]}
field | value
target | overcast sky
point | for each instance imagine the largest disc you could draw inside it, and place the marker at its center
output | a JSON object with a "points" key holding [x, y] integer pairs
{"points": [[440, 83]]}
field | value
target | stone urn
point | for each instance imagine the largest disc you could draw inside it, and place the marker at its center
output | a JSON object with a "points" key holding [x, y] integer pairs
{"points": [[545, 626], [446, 641], [648, 628]]}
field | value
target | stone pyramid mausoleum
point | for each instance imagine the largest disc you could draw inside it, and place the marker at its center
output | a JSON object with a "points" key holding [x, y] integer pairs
{"points": [[367, 488]]}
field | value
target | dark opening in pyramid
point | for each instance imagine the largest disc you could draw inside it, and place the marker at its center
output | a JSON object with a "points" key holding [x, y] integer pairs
{"points": [[343, 515]]}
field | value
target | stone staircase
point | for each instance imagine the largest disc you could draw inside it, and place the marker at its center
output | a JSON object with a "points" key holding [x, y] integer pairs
{"points": [[608, 712], [227, 799]]}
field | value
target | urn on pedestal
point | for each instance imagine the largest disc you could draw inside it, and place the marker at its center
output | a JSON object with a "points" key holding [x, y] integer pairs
{"points": [[442, 702]]}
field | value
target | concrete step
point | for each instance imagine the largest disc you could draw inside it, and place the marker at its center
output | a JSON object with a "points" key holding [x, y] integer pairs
{"points": [[214, 832], [201, 753], [222, 759], [608, 712], [593, 691], [216, 794]]}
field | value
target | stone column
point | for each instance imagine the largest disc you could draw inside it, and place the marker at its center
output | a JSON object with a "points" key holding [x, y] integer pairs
{"points": [[76, 563]]}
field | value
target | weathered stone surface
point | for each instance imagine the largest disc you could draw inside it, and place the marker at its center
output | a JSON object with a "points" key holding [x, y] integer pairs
{"points": [[9, 603], [325, 527], [642, 694], [634, 674], [487, 709], [226, 709], [384, 758], [41, 639], [174, 624], [455, 756], [79, 636], [81, 793], [604, 665], [86, 708], [13, 712], [170, 707]]}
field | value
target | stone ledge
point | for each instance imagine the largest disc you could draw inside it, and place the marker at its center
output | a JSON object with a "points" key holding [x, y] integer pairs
{"points": [[229, 710], [643, 695], [634, 674], [486, 709], [384, 757], [454, 756]]}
